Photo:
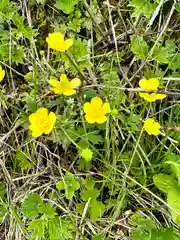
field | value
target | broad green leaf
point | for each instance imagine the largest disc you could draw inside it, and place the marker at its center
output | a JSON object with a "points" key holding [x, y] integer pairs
{"points": [[31, 204], [96, 210], [139, 47], [174, 203], [67, 6], [164, 182], [176, 169]]}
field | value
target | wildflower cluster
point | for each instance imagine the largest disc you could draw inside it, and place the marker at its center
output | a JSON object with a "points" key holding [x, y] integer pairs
{"points": [[95, 111]]}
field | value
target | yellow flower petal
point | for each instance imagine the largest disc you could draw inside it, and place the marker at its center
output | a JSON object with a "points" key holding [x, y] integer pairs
{"points": [[42, 112], [143, 83], [101, 120], [64, 78], [68, 43], [95, 111], [32, 117], [160, 96], [153, 84], [89, 118], [54, 82], [87, 107], [36, 132], [152, 127], [56, 41], [96, 101], [41, 122], [75, 82], [106, 107], [69, 92], [2, 74], [51, 122]]}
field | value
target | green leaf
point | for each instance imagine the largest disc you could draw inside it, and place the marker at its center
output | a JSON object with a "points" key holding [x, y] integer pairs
{"points": [[22, 160], [61, 229], [96, 210], [164, 182], [143, 7], [178, 7], [176, 169], [174, 61], [69, 184], [164, 234], [139, 47], [174, 203], [38, 227], [99, 236], [2, 190], [31, 204], [67, 6], [47, 210], [60, 185], [3, 212], [80, 54]]}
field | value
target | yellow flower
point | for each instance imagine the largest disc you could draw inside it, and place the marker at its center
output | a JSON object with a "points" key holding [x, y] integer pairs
{"points": [[41, 122], [56, 41], [2, 74], [152, 127], [64, 86], [151, 84], [96, 110]]}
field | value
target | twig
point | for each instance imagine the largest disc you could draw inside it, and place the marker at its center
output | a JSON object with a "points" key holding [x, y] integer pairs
{"points": [[175, 94]]}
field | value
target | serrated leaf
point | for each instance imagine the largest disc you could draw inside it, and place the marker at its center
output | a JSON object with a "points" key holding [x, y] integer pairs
{"points": [[67, 6], [61, 229], [139, 47], [143, 7], [38, 227], [47, 210], [31, 204], [174, 61], [164, 182]]}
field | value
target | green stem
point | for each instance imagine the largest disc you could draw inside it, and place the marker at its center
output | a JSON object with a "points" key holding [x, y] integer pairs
{"points": [[35, 77], [73, 62]]}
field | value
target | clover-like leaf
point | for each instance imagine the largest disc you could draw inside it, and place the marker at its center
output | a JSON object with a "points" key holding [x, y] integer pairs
{"points": [[69, 184]]}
